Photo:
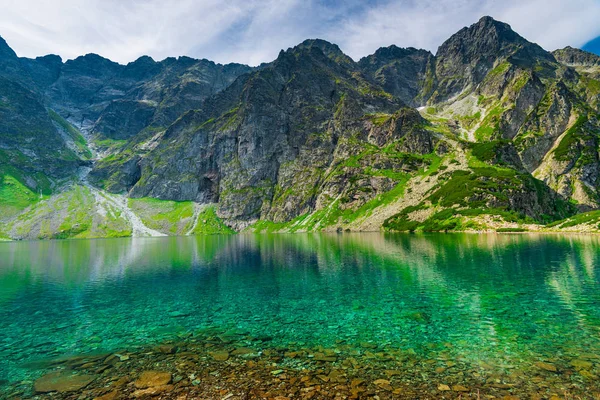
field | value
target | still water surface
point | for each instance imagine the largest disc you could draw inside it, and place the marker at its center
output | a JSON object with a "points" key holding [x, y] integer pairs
{"points": [[503, 301]]}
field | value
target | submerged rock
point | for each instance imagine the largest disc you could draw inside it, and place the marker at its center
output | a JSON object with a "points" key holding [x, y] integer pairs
{"points": [[152, 391], [62, 382], [546, 366], [220, 355], [108, 396], [459, 388], [150, 379], [581, 364]]}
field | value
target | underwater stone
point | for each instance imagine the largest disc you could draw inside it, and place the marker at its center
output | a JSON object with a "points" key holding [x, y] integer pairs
{"points": [[546, 366], [61, 382], [220, 355], [149, 379]]}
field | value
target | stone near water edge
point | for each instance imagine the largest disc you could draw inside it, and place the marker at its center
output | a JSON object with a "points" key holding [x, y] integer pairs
{"points": [[324, 357], [62, 382], [152, 391], [219, 355], [383, 384], [368, 345], [149, 379], [120, 382], [587, 374], [581, 364], [459, 388], [243, 351], [357, 382], [168, 349], [108, 396], [546, 366]]}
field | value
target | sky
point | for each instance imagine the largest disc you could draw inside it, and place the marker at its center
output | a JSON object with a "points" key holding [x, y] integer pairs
{"points": [[254, 31]]}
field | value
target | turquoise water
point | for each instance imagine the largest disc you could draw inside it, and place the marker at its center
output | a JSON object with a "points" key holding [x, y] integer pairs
{"points": [[503, 301]]}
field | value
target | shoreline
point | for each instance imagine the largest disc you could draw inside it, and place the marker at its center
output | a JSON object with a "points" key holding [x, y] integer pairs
{"points": [[332, 232], [221, 365]]}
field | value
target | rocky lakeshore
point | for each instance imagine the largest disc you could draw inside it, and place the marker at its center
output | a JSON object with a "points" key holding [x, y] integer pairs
{"points": [[213, 364]]}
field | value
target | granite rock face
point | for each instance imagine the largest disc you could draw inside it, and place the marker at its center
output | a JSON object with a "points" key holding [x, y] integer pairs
{"points": [[34, 147], [405, 73], [464, 60], [268, 146]]}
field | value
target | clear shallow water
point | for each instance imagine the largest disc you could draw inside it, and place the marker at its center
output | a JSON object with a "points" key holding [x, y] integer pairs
{"points": [[502, 301]]}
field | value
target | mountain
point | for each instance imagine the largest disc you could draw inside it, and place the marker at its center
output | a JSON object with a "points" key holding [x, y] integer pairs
{"points": [[400, 72], [505, 137], [465, 59], [37, 147], [274, 144]]}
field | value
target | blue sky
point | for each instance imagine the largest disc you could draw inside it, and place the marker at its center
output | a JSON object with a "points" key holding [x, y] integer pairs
{"points": [[253, 31], [593, 46]]}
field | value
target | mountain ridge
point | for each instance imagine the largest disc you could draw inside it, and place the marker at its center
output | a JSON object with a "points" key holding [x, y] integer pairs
{"points": [[506, 136]]}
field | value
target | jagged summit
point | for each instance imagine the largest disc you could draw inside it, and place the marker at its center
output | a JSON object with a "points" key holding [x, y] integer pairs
{"points": [[400, 71], [330, 50], [93, 62], [576, 57], [487, 38], [5, 50], [326, 47], [393, 52]]}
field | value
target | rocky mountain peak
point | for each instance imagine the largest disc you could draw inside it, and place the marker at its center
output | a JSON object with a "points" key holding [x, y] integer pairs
{"points": [[93, 64], [50, 59], [465, 59], [330, 50], [400, 71], [486, 38], [9, 62], [5, 50], [573, 57], [394, 52], [142, 68]]}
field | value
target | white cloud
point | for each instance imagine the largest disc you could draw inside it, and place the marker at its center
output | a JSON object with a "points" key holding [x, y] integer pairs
{"points": [[427, 23], [253, 31]]}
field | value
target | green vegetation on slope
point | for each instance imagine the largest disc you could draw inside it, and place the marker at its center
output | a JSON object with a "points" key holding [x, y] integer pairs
{"points": [[72, 213], [208, 223], [564, 150], [501, 193], [178, 217], [172, 217], [14, 196], [591, 218]]}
